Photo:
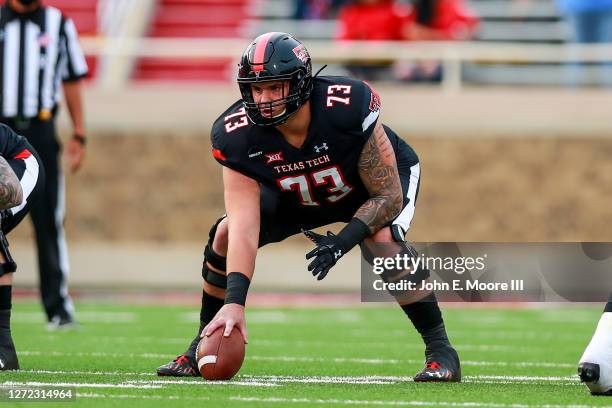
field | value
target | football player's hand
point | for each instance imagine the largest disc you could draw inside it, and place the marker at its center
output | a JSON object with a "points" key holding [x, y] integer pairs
{"points": [[326, 254], [228, 317]]}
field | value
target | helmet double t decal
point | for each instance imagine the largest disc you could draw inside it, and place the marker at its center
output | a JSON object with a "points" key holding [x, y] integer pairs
{"points": [[275, 57]]}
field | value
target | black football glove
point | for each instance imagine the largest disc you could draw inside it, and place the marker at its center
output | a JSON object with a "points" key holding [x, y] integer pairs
{"points": [[329, 249]]}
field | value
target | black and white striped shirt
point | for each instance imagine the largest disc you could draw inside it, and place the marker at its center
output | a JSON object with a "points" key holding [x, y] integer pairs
{"points": [[38, 50]]}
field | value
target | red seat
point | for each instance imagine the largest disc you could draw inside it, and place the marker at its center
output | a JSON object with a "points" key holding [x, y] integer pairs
{"points": [[193, 19]]}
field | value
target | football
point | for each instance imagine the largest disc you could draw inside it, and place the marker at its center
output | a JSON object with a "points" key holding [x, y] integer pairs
{"points": [[218, 357]]}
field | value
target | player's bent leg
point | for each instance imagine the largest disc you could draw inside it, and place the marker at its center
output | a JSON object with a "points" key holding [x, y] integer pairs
{"points": [[32, 179], [8, 355], [595, 366], [441, 359], [213, 295]]}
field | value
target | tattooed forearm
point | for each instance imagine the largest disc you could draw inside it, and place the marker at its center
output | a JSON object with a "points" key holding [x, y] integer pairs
{"points": [[378, 172], [11, 193]]}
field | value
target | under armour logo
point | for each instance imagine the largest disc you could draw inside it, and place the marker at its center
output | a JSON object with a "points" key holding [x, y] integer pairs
{"points": [[337, 254], [322, 147]]}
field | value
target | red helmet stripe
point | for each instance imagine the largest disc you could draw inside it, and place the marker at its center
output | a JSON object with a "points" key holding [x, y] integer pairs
{"points": [[260, 52]]}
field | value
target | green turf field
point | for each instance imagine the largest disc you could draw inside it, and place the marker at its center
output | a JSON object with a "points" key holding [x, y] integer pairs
{"points": [[311, 357]]}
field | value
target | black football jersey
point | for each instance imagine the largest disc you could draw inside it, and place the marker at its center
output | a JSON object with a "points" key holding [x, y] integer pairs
{"points": [[321, 175], [12, 145]]}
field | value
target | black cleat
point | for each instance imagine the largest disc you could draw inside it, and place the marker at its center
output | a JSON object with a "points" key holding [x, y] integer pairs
{"points": [[442, 365], [589, 373], [8, 355], [182, 366]]}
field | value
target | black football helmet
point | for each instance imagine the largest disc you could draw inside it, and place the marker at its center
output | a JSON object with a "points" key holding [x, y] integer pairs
{"points": [[275, 57]]}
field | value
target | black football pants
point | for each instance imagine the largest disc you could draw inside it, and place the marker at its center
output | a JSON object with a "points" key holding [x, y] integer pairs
{"points": [[48, 219]]}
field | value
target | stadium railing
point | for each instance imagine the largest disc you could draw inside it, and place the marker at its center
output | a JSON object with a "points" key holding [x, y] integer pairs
{"points": [[451, 54]]}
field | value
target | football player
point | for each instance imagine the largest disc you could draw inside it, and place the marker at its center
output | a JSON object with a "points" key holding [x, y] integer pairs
{"points": [[298, 152], [21, 183], [595, 367]]}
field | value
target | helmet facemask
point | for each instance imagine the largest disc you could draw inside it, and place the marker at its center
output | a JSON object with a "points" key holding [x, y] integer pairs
{"points": [[299, 92]]}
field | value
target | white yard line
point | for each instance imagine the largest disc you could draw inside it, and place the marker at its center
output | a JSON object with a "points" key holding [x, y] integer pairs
{"points": [[487, 334], [128, 396], [200, 382], [102, 373], [95, 354], [71, 384], [400, 343], [314, 343], [83, 317], [312, 401], [276, 380], [536, 364], [396, 361], [397, 403]]}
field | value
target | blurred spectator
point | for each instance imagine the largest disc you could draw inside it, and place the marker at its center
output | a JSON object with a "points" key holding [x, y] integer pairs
{"points": [[383, 20], [389, 20], [316, 9], [375, 20], [436, 20], [441, 20], [591, 20]]}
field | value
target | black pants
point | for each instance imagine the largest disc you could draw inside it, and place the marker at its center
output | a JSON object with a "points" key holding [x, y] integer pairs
{"points": [[48, 219]]}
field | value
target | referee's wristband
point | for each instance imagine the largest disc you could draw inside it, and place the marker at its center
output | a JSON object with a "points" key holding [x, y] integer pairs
{"points": [[237, 288], [80, 138]]}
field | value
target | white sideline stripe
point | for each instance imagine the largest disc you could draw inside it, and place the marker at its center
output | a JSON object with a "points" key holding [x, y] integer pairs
{"points": [[322, 378], [128, 396], [106, 373], [84, 385], [395, 361], [402, 343], [201, 382], [398, 403], [330, 401], [289, 378], [312, 343], [488, 334], [275, 381], [309, 359], [84, 317], [204, 383], [96, 354]]}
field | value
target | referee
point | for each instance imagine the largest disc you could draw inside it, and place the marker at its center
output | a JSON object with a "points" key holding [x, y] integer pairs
{"points": [[39, 50]]}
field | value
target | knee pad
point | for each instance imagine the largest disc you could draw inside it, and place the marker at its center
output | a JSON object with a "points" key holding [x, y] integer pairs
{"points": [[215, 260], [213, 278], [9, 265]]}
